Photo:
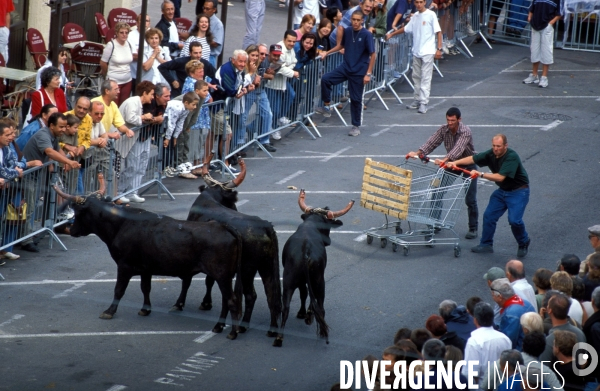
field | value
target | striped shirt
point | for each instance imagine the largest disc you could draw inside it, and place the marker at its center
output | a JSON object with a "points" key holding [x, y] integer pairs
{"points": [[457, 145]]}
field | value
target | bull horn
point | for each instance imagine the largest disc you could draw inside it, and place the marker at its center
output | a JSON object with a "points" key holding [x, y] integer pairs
{"points": [[240, 178], [303, 207], [339, 213], [102, 188], [76, 199]]}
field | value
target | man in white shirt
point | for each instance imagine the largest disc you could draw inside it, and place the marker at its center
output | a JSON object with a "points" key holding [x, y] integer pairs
{"points": [[516, 275], [425, 28], [485, 344]]}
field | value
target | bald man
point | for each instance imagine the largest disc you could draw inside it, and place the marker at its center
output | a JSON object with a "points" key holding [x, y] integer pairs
{"points": [[516, 275]]}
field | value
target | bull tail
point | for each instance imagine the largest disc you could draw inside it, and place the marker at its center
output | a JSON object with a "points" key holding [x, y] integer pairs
{"points": [[238, 288], [315, 307], [276, 280]]}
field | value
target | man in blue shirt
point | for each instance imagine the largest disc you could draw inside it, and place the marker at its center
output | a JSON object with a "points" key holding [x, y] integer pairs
{"points": [[366, 6], [359, 59]]}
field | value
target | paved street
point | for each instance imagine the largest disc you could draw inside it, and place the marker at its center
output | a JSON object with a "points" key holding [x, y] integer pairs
{"points": [[50, 333]]}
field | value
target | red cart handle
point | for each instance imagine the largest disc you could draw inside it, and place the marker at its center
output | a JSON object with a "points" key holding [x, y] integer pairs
{"points": [[456, 168]]}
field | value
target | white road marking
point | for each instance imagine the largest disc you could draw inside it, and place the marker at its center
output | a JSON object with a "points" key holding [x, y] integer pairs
{"points": [[207, 335], [241, 202], [46, 282], [380, 132], [501, 97], [99, 334], [76, 286], [437, 104], [360, 238], [514, 65], [551, 125], [554, 70], [430, 126], [15, 317], [117, 387], [189, 369], [474, 85], [294, 175], [335, 154]]}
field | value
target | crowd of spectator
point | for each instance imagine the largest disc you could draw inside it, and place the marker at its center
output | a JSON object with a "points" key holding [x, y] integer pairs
{"points": [[524, 329]]}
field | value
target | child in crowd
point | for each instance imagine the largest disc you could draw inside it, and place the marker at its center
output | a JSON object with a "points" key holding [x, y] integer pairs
{"points": [[542, 16], [202, 125], [177, 111]]}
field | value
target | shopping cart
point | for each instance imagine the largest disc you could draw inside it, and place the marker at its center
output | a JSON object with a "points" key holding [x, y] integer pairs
{"points": [[435, 196]]}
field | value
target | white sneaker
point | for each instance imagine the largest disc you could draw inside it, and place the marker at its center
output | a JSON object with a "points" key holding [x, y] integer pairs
{"points": [[124, 199], [283, 121], [136, 198], [414, 105], [422, 108], [276, 135], [182, 169], [531, 79], [543, 82], [469, 30]]}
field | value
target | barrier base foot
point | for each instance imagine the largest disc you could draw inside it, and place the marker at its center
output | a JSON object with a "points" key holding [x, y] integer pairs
{"points": [[53, 236], [160, 185]]}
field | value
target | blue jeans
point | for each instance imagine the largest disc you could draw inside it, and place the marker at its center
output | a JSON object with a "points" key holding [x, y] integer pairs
{"points": [[515, 202], [282, 100], [213, 60], [263, 117]]}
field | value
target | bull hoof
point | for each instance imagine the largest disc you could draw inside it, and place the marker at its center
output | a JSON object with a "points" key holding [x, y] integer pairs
{"points": [[144, 312], [176, 308], [242, 329], [301, 315], [309, 318], [232, 335], [278, 342], [106, 315], [218, 329], [205, 307], [271, 334]]}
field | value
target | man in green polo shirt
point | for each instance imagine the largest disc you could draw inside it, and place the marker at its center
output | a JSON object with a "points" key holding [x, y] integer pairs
{"points": [[513, 193]]}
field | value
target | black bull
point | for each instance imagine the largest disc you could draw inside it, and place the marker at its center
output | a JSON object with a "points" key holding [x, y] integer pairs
{"points": [[304, 260], [260, 249], [146, 244]]}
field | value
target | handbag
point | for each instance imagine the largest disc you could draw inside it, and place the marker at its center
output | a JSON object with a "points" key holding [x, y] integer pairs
{"points": [[16, 214]]}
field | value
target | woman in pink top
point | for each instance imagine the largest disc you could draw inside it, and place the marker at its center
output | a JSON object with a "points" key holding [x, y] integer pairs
{"points": [[306, 26]]}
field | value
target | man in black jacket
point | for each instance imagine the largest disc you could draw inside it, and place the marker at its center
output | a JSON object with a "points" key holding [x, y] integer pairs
{"points": [[167, 26], [174, 71]]}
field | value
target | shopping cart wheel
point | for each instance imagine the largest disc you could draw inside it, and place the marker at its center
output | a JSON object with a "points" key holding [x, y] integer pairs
{"points": [[394, 247], [398, 229], [369, 239], [405, 250], [457, 251], [383, 242], [427, 239]]}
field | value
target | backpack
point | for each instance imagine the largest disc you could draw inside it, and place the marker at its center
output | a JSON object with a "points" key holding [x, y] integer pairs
{"points": [[113, 49]]}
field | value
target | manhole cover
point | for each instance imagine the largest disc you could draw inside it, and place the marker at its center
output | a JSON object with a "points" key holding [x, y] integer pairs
{"points": [[546, 116]]}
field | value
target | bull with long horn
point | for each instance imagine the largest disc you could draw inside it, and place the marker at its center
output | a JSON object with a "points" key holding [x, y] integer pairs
{"points": [[304, 261]]}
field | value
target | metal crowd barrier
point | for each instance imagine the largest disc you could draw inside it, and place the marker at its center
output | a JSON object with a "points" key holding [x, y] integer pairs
{"points": [[467, 24], [511, 25], [378, 81], [29, 207], [398, 55], [138, 162], [581, 30]]}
